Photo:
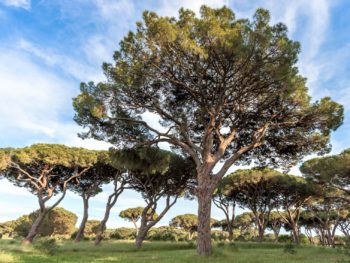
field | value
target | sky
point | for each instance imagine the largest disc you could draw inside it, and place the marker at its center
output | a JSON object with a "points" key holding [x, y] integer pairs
{"points": [[48, 47]]}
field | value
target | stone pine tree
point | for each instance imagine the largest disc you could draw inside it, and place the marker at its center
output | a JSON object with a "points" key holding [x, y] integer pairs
{"points": [[132, 215], [120, 183], [158, 176], [331, 171], [189, 222], [225, 198], [45, 170], [90, 184], [294, 193], [225, 90], [257, 190]]}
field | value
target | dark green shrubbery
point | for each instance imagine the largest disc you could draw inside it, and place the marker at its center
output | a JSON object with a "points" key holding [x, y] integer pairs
{"points": [[285, 239], [123, 233], [167, 234]]}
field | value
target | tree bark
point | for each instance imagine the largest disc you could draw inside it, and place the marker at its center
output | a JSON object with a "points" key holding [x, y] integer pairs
{"points": [[80, 233], [102, 227], [295, 234], [35, 228], [141, 236], [204, 194]]}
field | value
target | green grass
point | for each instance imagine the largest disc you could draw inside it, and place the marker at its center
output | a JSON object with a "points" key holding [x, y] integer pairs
{"points": [[121, 251]]}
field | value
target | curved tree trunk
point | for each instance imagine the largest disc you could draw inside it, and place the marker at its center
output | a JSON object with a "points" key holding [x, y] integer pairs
{"points": [[204, 194], [141, 236], [102, 227], [80, 233], [35, 228]]}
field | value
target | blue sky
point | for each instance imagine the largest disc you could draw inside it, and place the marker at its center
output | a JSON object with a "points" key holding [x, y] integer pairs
{"points": [[48, 47]]}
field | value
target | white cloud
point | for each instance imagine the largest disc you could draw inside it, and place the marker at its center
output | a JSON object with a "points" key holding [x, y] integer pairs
{"points": [[53, 58], [171, 8], [25, 4]]}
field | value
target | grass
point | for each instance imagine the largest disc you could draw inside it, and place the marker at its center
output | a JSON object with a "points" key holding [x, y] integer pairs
{"points": [[123, 251]]}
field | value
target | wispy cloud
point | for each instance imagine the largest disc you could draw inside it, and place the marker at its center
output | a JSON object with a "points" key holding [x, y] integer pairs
{"points": [[25, 4]]}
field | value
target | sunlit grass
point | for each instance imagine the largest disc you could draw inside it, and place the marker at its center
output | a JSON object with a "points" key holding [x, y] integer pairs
{"points": [[121, 251]]}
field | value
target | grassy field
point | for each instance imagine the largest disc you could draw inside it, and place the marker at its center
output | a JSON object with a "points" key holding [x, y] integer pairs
{"points": [[117, 251]]}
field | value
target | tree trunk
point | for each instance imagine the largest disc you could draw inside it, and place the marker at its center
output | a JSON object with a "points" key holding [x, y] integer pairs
{"points": [[80, 233], [276, 232], [295, 234], [102, 227], [35, 228], [204, 194], [230, 233], [141, 236], [261, 231]]}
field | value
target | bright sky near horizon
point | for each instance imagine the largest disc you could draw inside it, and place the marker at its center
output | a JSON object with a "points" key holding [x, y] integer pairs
{"points": [[48, 47]]}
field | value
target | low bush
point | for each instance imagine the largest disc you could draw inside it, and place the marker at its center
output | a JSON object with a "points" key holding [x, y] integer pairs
{"points": [[46, 245], [123, 233]]}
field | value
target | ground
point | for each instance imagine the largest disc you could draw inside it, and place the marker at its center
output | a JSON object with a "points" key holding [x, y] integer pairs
{"points": [[118, 251]]}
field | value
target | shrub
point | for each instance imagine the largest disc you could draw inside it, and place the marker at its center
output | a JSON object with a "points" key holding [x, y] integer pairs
{"points": [[285, 238], [219, 235], [167, 234], [123, 233], [46, 245]]}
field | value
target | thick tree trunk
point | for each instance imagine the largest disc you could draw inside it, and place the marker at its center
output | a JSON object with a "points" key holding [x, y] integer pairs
{"points": [[35, 228], [80, 233], [295, 234], [141, 236], [204, 194], [261, 232]]}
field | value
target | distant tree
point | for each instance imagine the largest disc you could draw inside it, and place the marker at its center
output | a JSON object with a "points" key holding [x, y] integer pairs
{"points": [[224, 198], [257, 190], [91, 227], [58, 221], [275, 223], [90, 184], [189, 222], [344, 223], [7, 228], [156, 174], [327, 211], [45, 170], [120, 182], [332, 171], [133, 215], [226, 90], [245, 223], [294, 193]]}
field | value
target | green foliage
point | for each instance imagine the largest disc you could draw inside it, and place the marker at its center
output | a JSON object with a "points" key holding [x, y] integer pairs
{"points": [[218, 235], [58, 221], [123, 233], [91, 227], [166, 234], [131, 214], [285, 239], [188, 222], [173, 67], [46, 245], [332, 171]]}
